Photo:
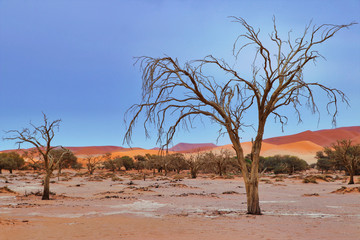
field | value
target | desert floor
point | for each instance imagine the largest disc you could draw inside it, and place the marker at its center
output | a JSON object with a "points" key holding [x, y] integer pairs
{"points": [[108, 206]]}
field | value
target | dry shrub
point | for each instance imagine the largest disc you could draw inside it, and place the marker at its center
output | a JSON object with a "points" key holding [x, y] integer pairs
{"points": [[344, 190], [314, 178], [98, 178], [229, 176], [358, 180], [230, 192], [311, 195], [214, 195], [81, 174], [109, 175], [326, 178], [112, 176], [267, 181], [137, 177], [179, 185], [109, 192], [21, 174], [37, 193], [178, 177], [6, 190], [116, 179], [162, 179], [310, 179], [65, 174], [65, 179], [142, 189]]}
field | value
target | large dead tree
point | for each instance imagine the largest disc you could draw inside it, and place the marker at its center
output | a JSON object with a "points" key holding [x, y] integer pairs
{"points": [[175, 95], [41, 137]]}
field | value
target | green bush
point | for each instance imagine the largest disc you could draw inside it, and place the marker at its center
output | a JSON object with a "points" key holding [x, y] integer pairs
{"points": [[127, 162], [11, 161], [283, 164], [113, 164]]}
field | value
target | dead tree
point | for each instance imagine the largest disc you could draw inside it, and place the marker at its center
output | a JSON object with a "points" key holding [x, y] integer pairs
{"points": [[195, 162], [186, 92], [40, 137], [345, 154], [92, 162]]}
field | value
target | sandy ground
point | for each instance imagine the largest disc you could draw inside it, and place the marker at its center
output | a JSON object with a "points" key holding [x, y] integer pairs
{"points": [[97, 207]]}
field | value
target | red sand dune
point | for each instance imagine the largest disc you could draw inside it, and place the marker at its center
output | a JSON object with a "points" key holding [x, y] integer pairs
{"points": [[94, 150], [246, 147], [191, 147], [322, 137], [90, 150], [304, 149], [19, 151], [133, 152], [356, 140]]}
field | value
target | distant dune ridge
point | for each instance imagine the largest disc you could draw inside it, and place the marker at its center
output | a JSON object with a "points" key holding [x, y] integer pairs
{"points": [[323, 138], [94, 150], [190, 147], [304, 145]]}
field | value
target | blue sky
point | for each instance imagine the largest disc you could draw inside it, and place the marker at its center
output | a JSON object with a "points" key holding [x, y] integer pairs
{"points": [[73, 59]]}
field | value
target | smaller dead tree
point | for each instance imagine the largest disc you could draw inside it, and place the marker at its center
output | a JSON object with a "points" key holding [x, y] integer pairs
{"points": [[223, 161], [344, 153], [92, 162], [40, 137], [194, 162], [160, 162], [217, 163], [177, 162], [64, 159]]}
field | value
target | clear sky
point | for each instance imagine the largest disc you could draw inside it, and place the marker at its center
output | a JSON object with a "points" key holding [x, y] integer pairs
{"points": [[73, 59]]}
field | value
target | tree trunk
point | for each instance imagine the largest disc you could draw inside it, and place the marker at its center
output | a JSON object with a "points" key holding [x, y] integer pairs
{"points": [[251, 179], [252, 193], [10, 170], [252, 187], [220, 170], [193, 173], [351, 181], [59, 173], [46, 192], [351, 173]]}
